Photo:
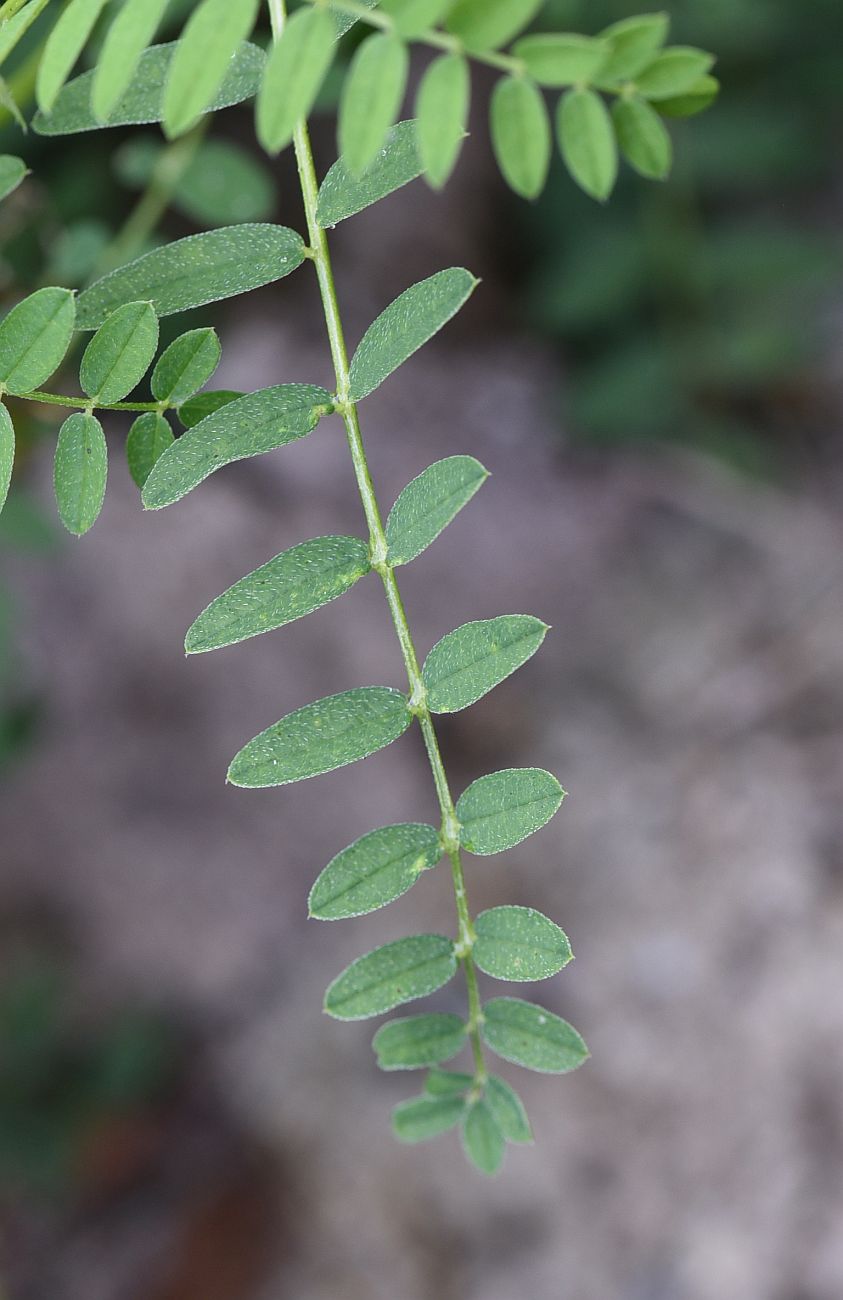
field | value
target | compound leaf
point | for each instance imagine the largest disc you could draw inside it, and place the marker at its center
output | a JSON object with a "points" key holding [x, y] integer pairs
{"points": [[482, 1139], [501, 809], [185, 366], [673, 72], [127, 38], [80, 472], [395, 973], [64, 45], [374, 870], [643, 137], [508, 1110], [472, 660], [518, 943], [295, 70], [34, 337], [406, 324], [429, 503], [587, 141], [441, 114], [521, 135], [371, 97], [12, 172], [422, 1118], [7, 453], [120, 353], [343, 194], [416, 1041], [293, 584], [211, 36], [204, 404], [633, 44], [488, 24], [561, 60], [149, 437], [323, 736], [530, 1036]]}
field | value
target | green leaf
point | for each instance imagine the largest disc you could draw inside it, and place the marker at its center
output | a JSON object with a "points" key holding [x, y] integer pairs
{"points": [[34, 337], [407, 324], [643, 137], [488, 24], [296, 68], [518, 943], [120, 353], [128, 36], [415, 1041], [80, 472], [295, 583], [422, 1118], [210, 38], [413, 17], [499, 810], [371, 97], [633, 43], [587, 141], [342, 194], [142, 101], [248, 426], [530, 1036], [561, 60], [429, 503], [221, 185], [7, 453], [673, 72], [185, 366], [373, 871], [442, 1083], [482, 1139], [14, 29], [194, 271], [508, 1110], [396, 973], [149, 437], [204, 404], [521, 135], [442, 113], [10, 104], [64, 45], [12, 172], [694, 100], [472, 660], [343, 22], [323, 736]]}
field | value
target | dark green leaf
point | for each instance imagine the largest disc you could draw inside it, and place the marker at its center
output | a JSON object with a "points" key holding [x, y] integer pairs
{"points": [[34, 337], [521, 135], [587, 141], [673, 72], [442, 113], [221, 185], [488, 24], [128, 36], [212, 34], [396, 973], [202, 405], [443, 1083], [508, 1110], [530, 1036], [322, 736], [561, 60], [643, 137], [343, 22], [149, 437], [695, 100], [482, 1139], [185, 366], [7, 453], [64, 45], [416, 1041], [429, 503], [12, 172], [120, 353], [371, 97], [518, 943], [633, 43], [80, 472], [472, 660], [499, 810], [422, 1118], [342, 194], [374, 870], [295, 71]]}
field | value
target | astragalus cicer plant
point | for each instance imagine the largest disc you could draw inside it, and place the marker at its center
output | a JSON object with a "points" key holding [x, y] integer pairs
{"points": [[612, 92]]}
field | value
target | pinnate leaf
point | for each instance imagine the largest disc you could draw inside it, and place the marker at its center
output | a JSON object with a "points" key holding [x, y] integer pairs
{"points": [[673, 72], [561, 60], [474, 658], [416, 1041], [343, 194], [371, 97], [128, 36], [508, 1110], [521, 135], [633, 43], [295, 583], [501, 809], [322, 736], [422, 1118], [488, 24], [643, 137], [518, 943], [482, 1139], [395, 973], [441, 114], [295, 70], [530, 1036], [7, 453], [12, 172], [429, 503], [183, 367], [203, 55], [120, 353], [149, 437], [64, 45], [408, 323], [34, 337], [587, 141], [374, 870], [80, 472]]}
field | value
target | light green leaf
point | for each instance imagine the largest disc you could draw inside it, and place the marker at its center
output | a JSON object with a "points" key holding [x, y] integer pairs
{"points": [[633, 43], [508, 1110], [204, 404], [142, 101], [194, 271], [561, 60], [429, 503], [673, 72], [80, 472], [10, 104], [415, 1041], [296, 68], [398, 972], [247, 426], [474, 658], [499, 810], [422, 1118], [7, 453], [203, 56], [488, 24], [374, 870], [643, 137], [15, 28], [64, 45], [413, 17], [343, 195], [120, 353], [185, 366], [407, 324], [530, 1036], [295, 583], [343, 22], [695, 100], [482, 1139], [128, 36], [587, 141], [518, 943], [221, 185], [371, 97], [149, 437], [521, 135], [322, 736], [443, 1083], [442, 113], [12, 172], [34, 337]]}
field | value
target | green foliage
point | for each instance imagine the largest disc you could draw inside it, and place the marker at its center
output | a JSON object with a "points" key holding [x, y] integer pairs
{"points": [[643, 137], [80, 472], [148, 439], [12, 172], [34, 337], [371, 98], [471, 661], [442, 113], [429, 503], [221, 184], [66, 42], [587, 140], [373, 871], [128, 36], [211, 37], [518, 943], [530, 1036], [521, 135], [422, 1118], [297, 66], [482, 1139], [416, 1041], [498, 811], [342, 194], [7, 453], [488, 24], [508, 1110], [185, 366], [120, 353], [396, 973]]}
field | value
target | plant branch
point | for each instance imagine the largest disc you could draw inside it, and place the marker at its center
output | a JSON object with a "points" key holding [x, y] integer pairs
{"points": [[83, 403]]}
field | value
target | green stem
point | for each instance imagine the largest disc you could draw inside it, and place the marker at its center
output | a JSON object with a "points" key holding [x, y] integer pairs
{"points": [[378, 547], [83, 403]]}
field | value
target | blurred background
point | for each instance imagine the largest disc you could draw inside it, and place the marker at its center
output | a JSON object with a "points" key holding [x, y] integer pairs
{"points": [[657, 388]]}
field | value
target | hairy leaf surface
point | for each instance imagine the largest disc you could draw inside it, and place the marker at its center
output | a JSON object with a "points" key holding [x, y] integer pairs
{"points": [[416, 1041], [209, 41], [120, 353], [473, 659], [374, 870], [519, 943], [34, 337], [149, 437], [422, 1118], [501, 809], [204, 404], [429, 503], [343, 194], [128, 36], [80, 472], [7, 453], [508, 1110], [183, 367], [391, 975], [530, 1036], [12, 172], [482, 1139], [64, 45]]}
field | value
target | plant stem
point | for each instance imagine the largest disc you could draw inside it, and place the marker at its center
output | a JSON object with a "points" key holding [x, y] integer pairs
{"points": [[378, 548], [59, 399]]}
